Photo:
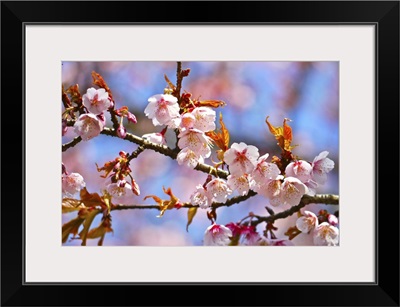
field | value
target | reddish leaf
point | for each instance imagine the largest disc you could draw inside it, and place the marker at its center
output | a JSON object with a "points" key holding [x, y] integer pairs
{"points": [[99, 81], [76, 97], [221, 138], [211, 103], [282, 134], [165, 204], [292, 232], [91, 199]]}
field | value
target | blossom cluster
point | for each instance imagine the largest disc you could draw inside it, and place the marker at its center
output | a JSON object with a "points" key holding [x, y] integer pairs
{"points": [[195, 145], [283, 182], [90, 124], [325, 233], [237, 234], [247, 171]]}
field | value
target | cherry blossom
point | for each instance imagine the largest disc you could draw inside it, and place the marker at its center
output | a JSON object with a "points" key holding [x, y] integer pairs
{"points": [[72, 184], [195, 140], [201, 198], [326, 235], [156, 138], [265, 170], [218, 189], [312, 187], [204, 119], [292, 191], [162, 109], [250, 236], [278, 242], [189, 158], [271, 189], [307, 222], [242, 184], [88, 126], [235, 228], [96, 100], [321, 166], [121, 192], [299, 169], [217, 235], [187, 121], [241, 158]]}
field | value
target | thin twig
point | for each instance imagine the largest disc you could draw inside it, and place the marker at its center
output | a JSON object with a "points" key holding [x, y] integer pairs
{"points": [[136, 153], [327, 199], [71, 143]]}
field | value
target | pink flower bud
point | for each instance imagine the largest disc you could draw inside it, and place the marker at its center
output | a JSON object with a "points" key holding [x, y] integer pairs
{"points": [[121, 131], [131, 117], [64, 127], [333, 220]]}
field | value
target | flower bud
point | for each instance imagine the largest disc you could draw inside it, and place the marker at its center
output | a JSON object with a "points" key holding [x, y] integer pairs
{"points": [[121, 131]]}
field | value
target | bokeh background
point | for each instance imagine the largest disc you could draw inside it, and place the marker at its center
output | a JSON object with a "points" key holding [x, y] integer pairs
{"points": [[305, 92]]}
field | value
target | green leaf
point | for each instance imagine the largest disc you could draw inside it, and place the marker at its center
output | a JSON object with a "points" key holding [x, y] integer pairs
{"points": [[191, 213]]}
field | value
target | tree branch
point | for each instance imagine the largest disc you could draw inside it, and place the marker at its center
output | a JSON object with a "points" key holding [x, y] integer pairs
{"points": [[179, 79], [327, 199], [71, 143]]}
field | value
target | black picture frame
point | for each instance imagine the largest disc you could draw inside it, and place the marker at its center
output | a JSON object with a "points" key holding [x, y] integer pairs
{"points": [[383, 14]]}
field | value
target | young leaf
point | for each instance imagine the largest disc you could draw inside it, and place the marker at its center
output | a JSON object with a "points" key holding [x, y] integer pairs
{"points": [[76, 97], [165, 204], [292, 232], [170, 84], [191, 213], [212, 103], [282, 134], [71, 227], [86, 225], [107, 168], [91, 199], [99, 81], [221, 138], [71, 204]]}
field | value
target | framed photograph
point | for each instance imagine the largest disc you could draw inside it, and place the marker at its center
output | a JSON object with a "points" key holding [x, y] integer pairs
{"points": [[208, 158]]}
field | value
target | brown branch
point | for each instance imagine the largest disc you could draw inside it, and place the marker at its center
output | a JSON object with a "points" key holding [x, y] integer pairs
{"points": [[114, 118], [136, 153], [327, 199], [179, 79], [71, 143], [234, 200]]}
